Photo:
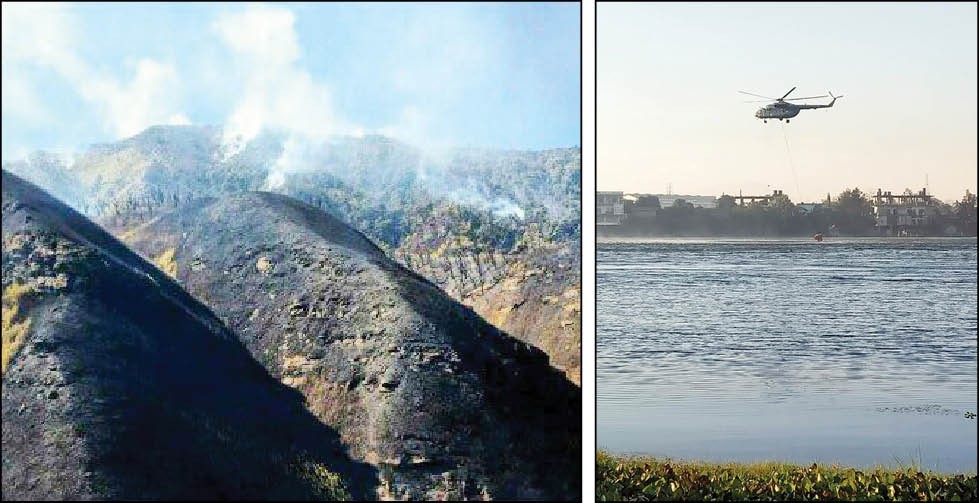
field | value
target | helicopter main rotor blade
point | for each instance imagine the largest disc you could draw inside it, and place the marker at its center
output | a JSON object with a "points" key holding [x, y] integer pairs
{"points": [[788, 93], [757, 101], [808, 98], [757, 95]]}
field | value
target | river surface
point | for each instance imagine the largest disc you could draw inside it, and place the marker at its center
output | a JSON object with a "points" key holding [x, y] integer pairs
{"points": [[853, 351]]}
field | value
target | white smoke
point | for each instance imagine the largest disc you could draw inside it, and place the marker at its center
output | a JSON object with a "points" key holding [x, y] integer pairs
{"points": [[299, 154], [279, 94], [471, 196], [275, 180], [233, 142], [506, 208]]}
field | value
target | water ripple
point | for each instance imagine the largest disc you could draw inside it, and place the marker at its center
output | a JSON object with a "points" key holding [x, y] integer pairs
{"points": [[803, 334]]}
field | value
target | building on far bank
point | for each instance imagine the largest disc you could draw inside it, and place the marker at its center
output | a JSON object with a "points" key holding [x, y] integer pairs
{"points": [[904, 215], [609, 208], [642, 206], [667, 200], [809, 208]]}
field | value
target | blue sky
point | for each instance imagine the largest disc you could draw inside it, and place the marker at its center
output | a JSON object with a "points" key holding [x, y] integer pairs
{"points": [[491, 75], [669, 111]]}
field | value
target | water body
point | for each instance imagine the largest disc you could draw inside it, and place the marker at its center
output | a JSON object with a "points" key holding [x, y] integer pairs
{"points": [[853, 351]]}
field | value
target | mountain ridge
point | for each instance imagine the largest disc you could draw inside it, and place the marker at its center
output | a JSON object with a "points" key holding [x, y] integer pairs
{"points": [[114, 389], [453, 406], [480, 223]]}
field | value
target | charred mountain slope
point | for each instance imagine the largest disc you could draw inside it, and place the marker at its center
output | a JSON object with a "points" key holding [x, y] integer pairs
{"points": [[117, 384], [460, 218], [441, 402]]}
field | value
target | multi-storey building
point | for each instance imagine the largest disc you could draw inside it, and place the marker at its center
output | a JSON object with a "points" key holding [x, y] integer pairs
{"points": [[906, 214], [610, 208], [667, 200]]}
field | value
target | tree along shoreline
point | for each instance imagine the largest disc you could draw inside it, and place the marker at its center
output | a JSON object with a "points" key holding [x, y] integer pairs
{"points": [[849, 214]]}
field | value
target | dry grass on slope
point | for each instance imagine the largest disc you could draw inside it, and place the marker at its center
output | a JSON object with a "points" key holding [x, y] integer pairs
{"points": [[14, 328]]}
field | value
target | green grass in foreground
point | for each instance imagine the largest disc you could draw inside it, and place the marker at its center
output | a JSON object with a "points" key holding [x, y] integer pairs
{"points": [[645, 479]]}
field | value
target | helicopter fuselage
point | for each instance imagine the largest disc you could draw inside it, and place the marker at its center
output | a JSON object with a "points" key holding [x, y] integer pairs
{"points": [[783, 110], [778, 111]]}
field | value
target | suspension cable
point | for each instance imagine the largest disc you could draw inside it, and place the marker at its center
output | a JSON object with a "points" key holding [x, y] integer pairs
{"points": [[791, 164]]}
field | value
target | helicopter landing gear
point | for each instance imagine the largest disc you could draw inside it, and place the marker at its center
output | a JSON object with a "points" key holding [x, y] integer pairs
{"points": [[765, 121], [787, 121]]}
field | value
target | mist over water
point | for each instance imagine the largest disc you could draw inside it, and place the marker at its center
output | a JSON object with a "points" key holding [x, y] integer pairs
{"points": [[859, 352]]}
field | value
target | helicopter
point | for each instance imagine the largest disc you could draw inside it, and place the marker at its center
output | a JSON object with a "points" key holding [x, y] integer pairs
{"points": [[782, 109]]}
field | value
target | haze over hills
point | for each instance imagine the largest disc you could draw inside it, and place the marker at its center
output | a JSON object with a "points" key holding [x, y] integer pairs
{"points": [[372, 182], [118, 384], [484, 225], [419, 386]]}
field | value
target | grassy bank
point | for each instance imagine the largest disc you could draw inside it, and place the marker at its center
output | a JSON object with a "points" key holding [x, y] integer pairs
{"points": [[645, 479]]}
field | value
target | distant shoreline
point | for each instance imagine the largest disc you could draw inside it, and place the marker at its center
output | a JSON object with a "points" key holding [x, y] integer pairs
{"points": [[775, 239]]}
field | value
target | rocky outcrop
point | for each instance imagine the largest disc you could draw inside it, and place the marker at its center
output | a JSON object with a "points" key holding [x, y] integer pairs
{"points": [[538, 300], [443, 404], [530, 289], [117, 384], [533, 293], [459, 271]]}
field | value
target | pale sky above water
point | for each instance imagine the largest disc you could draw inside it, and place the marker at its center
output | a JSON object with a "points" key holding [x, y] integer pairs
{"points": [[669, 112]]}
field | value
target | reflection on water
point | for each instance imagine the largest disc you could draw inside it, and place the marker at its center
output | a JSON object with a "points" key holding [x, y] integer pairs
{"points": [[859, 352]]}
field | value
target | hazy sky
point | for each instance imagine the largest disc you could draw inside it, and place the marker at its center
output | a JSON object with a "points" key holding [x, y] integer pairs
{"points": [[669, 111], [492, 75]]}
